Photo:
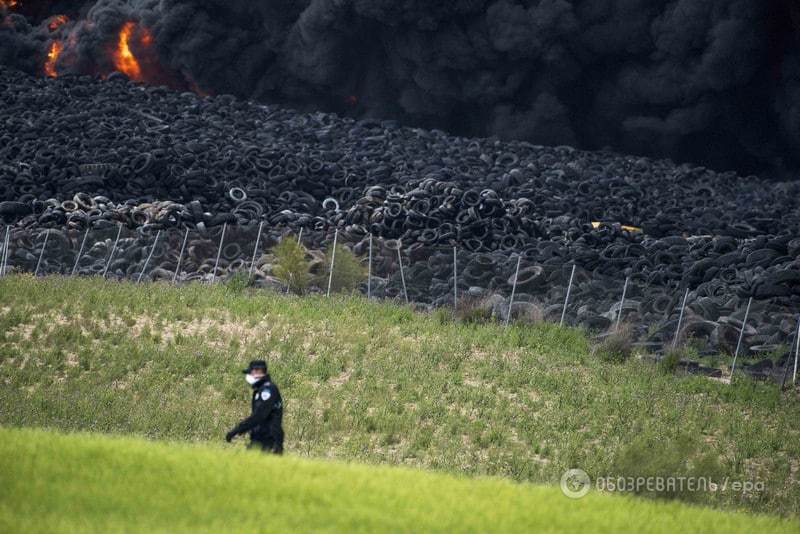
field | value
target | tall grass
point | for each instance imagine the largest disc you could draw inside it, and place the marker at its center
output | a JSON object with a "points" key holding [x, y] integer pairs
{"points": [[51, 482], [376, 382]]}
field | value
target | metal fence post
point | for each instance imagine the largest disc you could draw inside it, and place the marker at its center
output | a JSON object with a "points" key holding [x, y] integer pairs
{"points": [[796, 353], [289, 283], [3, 253], [621, 303], [680, 319], [8, 250], [402, 275], [333, 259], [741, 335], [219, 252], [255, 248], [147, 261], [455, 279], [513, 290], [369, 270], [80, 251], [41, 253], [180, 257], [6, 245], [566, 299], [113, 249]]}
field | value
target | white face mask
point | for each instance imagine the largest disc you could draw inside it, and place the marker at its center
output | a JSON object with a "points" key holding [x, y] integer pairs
{"points": [[252, 379]]}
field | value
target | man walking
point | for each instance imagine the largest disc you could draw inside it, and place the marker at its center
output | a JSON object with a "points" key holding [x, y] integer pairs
{"points": [[264, 424]]}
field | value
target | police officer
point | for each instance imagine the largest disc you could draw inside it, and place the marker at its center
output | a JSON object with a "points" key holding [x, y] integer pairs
{"points": [[264, 424]]}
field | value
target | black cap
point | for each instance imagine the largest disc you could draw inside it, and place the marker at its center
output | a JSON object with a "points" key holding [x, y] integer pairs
{"points": [[256, 364]]}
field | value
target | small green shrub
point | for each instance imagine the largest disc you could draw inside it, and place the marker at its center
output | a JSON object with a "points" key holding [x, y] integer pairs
{"points": [[778, 352], [238, 282], [291, 266], [669, 362], [651, 456], [528, 312], [348, 272], [443, 316], [472, 310], [617, 346]]}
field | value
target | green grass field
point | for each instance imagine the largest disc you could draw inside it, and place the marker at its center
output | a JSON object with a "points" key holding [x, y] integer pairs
{"points": [[378, 383], [51, 482]]}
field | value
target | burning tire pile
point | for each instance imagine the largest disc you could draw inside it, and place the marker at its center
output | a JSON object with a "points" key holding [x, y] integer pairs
{"points": [[78, 153]]}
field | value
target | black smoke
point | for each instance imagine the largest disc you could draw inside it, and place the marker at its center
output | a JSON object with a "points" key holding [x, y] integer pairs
{"points": [[716, 82]]}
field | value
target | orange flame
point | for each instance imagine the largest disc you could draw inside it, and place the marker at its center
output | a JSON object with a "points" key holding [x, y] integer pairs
{"points": [[52, 57], [56, 22], [124, 60], [8, 4]]}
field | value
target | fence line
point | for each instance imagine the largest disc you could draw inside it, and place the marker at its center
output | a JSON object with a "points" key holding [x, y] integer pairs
{"points": [[622, 303], [41, 254], [149, 256], [741, 335], [255, 247], [4, 257], [333, 259], [513, 290], [680, 319], [80, 251], [566, 299], [180, 257], [796, 351], [455, 278], [219, 252], [402, 275], [55, 247], [113, 249], [369, 270]]}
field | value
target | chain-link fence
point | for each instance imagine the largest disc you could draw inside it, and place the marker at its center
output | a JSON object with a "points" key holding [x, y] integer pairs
{"points": [[527, 286]]}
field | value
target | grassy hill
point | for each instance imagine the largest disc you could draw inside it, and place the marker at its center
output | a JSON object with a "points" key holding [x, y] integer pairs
{"points": [[51, 482], [379, 383]]}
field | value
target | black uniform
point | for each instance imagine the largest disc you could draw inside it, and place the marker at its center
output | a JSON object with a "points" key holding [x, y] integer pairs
{"points": [[264, 424]]}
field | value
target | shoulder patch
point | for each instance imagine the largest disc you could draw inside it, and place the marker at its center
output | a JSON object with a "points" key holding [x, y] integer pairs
{"points": [[265, 394]]}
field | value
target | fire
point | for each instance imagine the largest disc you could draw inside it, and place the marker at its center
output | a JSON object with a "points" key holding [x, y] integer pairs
{"points": [[124, 60], [56, 22], [134, 54], [8, 4], [52, 56], [131, 51]]}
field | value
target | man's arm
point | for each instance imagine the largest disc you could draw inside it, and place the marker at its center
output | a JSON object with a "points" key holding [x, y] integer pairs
{"points": [[259, 416]]}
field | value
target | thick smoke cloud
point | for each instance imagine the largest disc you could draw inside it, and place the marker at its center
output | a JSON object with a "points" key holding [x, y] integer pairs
{"points": [[715, 82]]}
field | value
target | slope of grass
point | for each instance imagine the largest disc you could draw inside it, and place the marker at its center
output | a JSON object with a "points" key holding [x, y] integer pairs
{"points": [[46, 485], [378, 383]]}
